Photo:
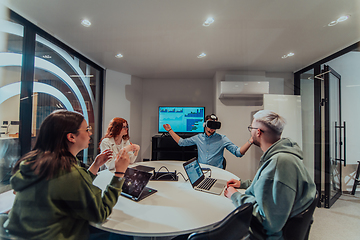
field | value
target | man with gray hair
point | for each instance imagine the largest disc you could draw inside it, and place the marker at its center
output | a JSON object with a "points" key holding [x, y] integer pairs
{"points": [[282, 187]]}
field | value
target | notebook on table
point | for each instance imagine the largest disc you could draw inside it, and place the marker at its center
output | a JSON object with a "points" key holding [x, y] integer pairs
{"points": [[199, 181], [135, 183]]}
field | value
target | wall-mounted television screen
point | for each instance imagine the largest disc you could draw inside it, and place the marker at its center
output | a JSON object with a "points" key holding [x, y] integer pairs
{"points": [[182, 119]]}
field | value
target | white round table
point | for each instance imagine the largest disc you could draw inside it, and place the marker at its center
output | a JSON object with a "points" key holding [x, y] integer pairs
{"points": [[175, 209]]}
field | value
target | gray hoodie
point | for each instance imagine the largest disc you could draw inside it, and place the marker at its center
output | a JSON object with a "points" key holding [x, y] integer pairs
{"points": [[282, 187]]}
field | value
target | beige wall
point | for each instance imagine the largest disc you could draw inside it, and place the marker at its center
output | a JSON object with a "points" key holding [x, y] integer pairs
{"points": [[137, 100], [171, 92], [123, 98], [236, 114]]}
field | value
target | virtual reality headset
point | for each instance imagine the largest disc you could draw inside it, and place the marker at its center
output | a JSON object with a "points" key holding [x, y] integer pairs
{"points": [[212, 124]]}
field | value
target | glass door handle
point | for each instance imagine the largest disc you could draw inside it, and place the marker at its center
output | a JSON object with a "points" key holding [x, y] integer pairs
{"points": [[342, 143]]}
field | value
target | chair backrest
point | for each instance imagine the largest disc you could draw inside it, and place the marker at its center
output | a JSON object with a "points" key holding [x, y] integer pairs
{"points": [[298, 227], [224, 163], [233, 226]]}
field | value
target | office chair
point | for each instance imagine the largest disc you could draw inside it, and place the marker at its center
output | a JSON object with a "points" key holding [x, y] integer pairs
{"points": [[233, 226], [3, 233], [224, 163], [298, 227]]}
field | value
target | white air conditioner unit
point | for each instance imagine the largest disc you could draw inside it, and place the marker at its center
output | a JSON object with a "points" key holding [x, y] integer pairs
{"points": [[231, 89]]}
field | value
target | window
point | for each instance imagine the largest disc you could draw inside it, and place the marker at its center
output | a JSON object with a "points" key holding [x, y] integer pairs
{"points": [[57, 78], [11, 42]]}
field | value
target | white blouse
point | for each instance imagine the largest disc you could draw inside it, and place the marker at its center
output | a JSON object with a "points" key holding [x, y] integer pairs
{"points": [[109, 143]]}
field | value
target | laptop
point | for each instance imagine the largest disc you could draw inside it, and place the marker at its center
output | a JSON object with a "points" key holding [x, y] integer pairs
{"points": [[199, 181], [135, 185]]}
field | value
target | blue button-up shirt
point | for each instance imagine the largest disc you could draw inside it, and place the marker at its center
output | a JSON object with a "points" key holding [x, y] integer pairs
{"points": [[211, 148]]}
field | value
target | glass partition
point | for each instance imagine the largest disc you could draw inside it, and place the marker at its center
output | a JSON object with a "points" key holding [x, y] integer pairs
{"points": [[307, 113], [11, 41], [334, 138], [62, 81], [58, 78]]}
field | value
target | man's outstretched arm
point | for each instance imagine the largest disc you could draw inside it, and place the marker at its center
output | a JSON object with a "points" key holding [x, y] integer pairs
{"points": [[171, 132]]}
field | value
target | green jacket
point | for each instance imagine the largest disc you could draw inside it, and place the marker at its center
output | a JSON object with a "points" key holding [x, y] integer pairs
{"points": [[59, 208], [282, 187]]}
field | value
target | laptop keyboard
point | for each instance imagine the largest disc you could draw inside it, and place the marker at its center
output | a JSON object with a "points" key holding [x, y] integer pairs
{"points": [[207, 183]]}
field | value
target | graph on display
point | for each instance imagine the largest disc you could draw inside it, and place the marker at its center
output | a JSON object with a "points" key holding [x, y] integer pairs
{"points": [[182, 119]]}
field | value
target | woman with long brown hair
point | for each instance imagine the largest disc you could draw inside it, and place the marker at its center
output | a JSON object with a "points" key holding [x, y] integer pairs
{"points": [[117, 138], [55, 197]]}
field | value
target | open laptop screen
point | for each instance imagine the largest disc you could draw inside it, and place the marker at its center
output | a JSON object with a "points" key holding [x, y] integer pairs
{"points": [[193, 170], [135, 182]]}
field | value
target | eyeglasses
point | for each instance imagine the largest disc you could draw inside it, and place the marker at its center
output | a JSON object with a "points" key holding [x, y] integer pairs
{"points": [[88, 129], [126, 127], [251, 128]]}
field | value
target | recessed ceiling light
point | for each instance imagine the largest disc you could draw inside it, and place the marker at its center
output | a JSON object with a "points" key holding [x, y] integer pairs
{"points": [[340, 19], [201, 55], [47, 56], [86, 23], [343, 18], [288, 55], [119, 55], [208, 21], [333, 23]]}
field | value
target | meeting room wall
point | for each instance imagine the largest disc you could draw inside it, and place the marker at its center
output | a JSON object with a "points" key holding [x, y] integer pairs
{"points": [[236, 114], [171, 92], [137, 100], [123, 98]]}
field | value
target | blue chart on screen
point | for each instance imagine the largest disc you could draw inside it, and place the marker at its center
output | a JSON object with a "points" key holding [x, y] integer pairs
{"points": [[182, 119]]}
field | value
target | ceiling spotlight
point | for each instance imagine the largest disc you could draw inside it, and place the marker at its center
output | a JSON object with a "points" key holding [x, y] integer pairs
{"points": [[340, 19], [119, 55], [343, 18], [86, 23], [288, 55], [333, 23], [208, 21], [46, 56], [201, 55]]}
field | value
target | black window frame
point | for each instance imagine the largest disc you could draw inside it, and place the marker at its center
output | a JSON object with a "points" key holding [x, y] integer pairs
{"points": [[27, 79]]}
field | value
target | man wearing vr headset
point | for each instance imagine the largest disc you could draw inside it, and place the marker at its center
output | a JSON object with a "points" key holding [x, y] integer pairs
{"points": [[210, 144]]}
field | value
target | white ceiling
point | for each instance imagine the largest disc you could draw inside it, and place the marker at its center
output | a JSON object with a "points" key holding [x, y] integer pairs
{"points": [[162, 38]]}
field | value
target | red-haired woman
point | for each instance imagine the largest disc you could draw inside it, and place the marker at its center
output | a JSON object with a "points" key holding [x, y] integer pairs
{"points": [[117, 138]]}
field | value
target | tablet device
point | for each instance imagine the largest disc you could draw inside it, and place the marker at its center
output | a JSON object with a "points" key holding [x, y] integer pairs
{"points": [[135, 183]]}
